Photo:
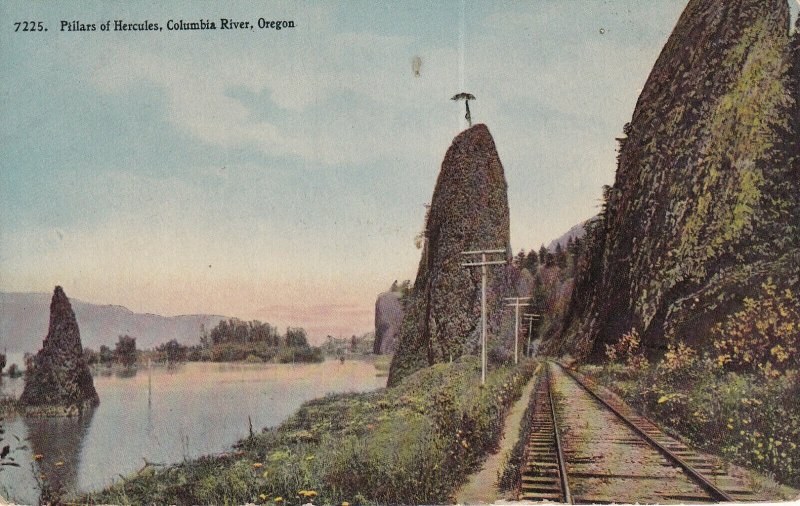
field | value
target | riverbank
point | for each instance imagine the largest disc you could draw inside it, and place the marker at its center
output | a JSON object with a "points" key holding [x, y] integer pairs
{"points": [[412, 444], [174, 415]]}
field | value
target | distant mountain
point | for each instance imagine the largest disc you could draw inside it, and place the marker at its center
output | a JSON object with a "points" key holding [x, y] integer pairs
{"points": [[24, 318], [576, 232]]}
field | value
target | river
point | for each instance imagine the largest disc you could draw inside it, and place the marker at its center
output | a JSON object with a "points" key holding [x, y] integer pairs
{"points": [[192, 410]]}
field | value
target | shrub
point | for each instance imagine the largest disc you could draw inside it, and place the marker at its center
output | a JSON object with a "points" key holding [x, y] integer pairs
{"points": [[765, 334], [300, 354], [253, 359], [746, 417], [627, 348]]}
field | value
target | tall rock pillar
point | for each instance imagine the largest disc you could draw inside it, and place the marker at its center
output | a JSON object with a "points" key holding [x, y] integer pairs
{"points": [[469, 211], [58, 375]]}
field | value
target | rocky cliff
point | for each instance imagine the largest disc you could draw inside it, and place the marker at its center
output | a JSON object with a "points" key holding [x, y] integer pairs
{"points": [[59, 375], [469, 211], [704, 207], [388, 317]]}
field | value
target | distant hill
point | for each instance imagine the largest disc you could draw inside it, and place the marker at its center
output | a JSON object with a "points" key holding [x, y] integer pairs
{"points": [[576, 232], [24, 318]]}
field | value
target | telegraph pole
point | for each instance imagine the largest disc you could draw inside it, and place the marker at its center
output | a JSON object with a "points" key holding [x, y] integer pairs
{"points": [[483, 264], [530, 317], [516, 303]]}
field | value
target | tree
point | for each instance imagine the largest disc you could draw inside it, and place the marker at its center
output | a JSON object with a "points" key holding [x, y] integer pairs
{"points": [[560, 257], [296, 337], [174, 351], [531, 261], [542, 255], [91, 356], [125, 350], [13, 371], [106, 355], [2, 362], [519, 260]]}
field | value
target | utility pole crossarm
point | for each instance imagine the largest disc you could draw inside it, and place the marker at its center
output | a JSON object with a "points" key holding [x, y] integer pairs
{"points": [[488, 252], [516, 303], [480, 264]]}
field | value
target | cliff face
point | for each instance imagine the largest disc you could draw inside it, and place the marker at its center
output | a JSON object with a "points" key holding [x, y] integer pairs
{"points": [[388, 317], [59, 375], [469, 211], [705, 203]]}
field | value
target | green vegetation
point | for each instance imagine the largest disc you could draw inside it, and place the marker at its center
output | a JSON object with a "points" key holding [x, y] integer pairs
{"points": [[552, 275], [14, 371], [411, 444], [382, 364], [738, 399], [173, 351], [125, 351], [236, 340]]}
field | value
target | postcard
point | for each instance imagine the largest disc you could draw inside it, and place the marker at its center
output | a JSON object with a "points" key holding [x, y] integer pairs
{"points": [[349, 253]]}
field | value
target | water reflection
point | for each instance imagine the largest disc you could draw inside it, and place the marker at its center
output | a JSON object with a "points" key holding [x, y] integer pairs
{"points": [[56, 444], [164, 415]]}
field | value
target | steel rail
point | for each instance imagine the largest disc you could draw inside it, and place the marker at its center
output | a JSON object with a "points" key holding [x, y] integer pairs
{"points": [[562, 468], [526, 449], [712, 490]]}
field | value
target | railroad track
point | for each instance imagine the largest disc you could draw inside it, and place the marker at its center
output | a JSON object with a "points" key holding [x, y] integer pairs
{"points": [[601, 451], [544, 477]]}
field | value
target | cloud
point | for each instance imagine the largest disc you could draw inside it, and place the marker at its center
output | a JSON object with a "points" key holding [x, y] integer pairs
{"points": [[349, 99]]}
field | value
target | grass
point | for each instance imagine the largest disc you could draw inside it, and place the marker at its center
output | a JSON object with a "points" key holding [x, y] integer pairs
{"points": [[415, 443], [382, 364]]}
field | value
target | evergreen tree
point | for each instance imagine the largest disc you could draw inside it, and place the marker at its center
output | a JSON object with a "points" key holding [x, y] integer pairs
{"points": [[560, 257], [519, 260], [531, 261]]}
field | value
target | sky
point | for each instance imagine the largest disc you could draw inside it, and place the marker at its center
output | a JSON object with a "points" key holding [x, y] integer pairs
{"points": [[281, 175]]}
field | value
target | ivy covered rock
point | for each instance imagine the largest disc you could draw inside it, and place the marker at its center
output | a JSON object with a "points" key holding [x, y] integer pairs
{"points": [[469, 211], [704, 208], [58, 376]]}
